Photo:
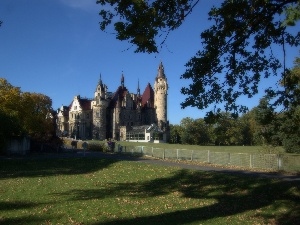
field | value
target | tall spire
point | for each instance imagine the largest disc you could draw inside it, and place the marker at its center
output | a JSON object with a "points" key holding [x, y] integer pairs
{"points": [[160, 72], [122, 79], [138, 88], [100, 80]]}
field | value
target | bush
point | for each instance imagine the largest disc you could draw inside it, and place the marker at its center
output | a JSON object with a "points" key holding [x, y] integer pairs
{"points": [[97, 147], [291, 143]]}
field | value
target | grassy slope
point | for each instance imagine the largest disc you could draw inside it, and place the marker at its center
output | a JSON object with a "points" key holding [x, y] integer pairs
{"points": [[98, 191]]}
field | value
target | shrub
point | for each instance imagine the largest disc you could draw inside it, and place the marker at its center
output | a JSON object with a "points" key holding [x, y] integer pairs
{"points": [[97, 147]]}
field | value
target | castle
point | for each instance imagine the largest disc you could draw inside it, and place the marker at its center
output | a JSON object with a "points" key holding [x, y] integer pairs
{"points": [[120, 115]]}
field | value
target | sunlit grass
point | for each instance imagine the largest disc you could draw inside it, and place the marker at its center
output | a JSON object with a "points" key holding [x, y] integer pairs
{"points": [[100, 191], [214, 148]]}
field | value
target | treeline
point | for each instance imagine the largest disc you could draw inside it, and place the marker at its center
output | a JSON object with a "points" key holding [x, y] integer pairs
{"points": [[24, 114], [260, 126]]}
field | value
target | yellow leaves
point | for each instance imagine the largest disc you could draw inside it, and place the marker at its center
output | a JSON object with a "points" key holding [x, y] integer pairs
{"points": [[29, 110]]}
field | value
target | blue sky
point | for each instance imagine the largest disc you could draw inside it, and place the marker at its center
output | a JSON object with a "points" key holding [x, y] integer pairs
{"points": [[56, 48]]}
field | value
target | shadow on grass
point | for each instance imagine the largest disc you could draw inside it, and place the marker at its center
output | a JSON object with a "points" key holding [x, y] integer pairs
{"points": [[50, 167], [5, 206], [26, 220], [232, 194]]}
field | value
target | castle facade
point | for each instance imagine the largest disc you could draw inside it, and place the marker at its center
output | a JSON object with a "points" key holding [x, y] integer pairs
{"points": [[120, 115]]}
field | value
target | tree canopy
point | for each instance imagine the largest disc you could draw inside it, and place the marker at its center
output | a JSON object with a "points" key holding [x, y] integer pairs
{"points": [[236, 50], [24, 113]]}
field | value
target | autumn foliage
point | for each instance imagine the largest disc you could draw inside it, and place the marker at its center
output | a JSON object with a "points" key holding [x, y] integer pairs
{"points": [[24, 114]]}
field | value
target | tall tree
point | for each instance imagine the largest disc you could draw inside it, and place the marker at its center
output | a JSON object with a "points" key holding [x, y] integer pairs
{"points": [[268, 121], [248, 127], [290, 129], [24, 113], [9, 111], [196, 131], [236, 52], [175, 134], [228, 130], [36, 115], [186, 125]]}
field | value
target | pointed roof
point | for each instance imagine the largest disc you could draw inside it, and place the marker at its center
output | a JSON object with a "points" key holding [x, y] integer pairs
{"points": [[118, 95], [148, 95], [100, 83], [122, 79], [84, 103], [160, 71]]}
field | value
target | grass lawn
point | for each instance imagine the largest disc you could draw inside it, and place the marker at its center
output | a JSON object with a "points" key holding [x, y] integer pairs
{"points": [[214, 148], [102, 191]]}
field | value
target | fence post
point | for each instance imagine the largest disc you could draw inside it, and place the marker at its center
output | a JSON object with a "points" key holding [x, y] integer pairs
{"points": [[177, 154], [142, 149], [192, 155], [164, 154], [279, 160], [208, 156], [251, 158], [229, 158], [152, 152]]}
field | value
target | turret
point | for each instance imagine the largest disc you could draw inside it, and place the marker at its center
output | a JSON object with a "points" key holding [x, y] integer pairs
{"points": [[101, 90], [160, 96], [99, 105]]}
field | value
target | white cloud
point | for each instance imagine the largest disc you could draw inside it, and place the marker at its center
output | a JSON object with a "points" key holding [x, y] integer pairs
{"points": [[86, 5]]}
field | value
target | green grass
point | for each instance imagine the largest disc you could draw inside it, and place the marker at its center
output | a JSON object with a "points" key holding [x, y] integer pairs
{"points": [[233, 149], [214, 148], [101, 191]]}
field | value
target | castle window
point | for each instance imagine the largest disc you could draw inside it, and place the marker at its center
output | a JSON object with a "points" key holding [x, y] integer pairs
{"points": [[75, 107]]}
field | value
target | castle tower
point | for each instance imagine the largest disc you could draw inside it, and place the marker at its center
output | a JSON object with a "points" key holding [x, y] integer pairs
{"points": [[101, 90], [160, 97], [99, 106]]}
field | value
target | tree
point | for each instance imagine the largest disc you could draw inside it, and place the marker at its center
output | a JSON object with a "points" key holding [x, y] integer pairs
{"points": [[10, 97], [9, 112], [187, 130], [36, 115], [196, 132], [227, 130], [290, 129], [236, 52], [175, 134], [10, 126], [141, 22], [269, 124], [24, 113], [248, 127]]}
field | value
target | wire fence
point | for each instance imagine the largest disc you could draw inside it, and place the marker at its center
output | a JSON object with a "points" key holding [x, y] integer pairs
{"points": [[276, 162]]}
